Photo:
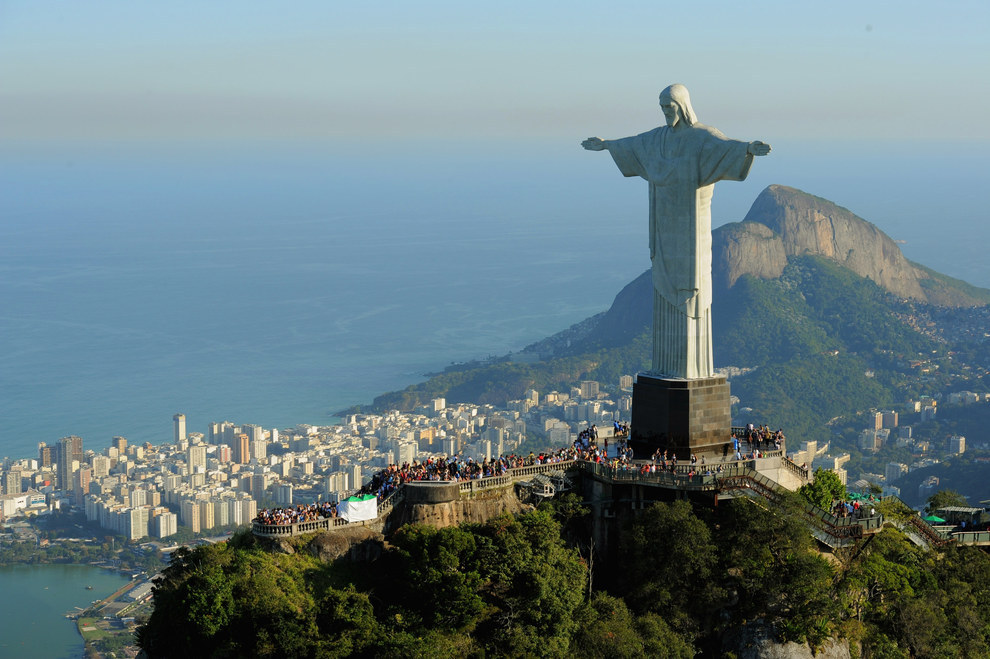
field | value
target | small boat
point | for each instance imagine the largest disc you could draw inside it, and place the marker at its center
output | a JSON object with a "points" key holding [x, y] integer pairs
{"points": [[89, 588]]}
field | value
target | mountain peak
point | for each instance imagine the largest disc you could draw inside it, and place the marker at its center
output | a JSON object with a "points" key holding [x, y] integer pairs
{"points": [[785, 222]]}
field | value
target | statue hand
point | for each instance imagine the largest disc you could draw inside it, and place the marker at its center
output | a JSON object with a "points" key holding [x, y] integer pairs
{"points": [[758, 148], [594, 144]]}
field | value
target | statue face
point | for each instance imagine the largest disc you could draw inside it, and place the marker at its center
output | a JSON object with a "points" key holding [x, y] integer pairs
{"points": [[671, 111]]}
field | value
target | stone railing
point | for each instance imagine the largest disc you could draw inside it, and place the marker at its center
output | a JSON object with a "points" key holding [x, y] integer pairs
{"points": [[513, 475], [278, 530], [793, 467], [391, 500], [489, 483]]}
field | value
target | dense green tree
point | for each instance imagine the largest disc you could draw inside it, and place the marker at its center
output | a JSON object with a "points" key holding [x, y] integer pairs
{"points": [[825, 489], [944, 499], [886, 570], [534, 584], [660, 640], [346, 622], [440, 579], [772, 569], [606, 628], [669, 561]]}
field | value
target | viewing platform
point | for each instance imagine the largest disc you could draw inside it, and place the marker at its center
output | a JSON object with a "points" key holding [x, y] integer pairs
{"points": [[766, 478], [714, 477]]}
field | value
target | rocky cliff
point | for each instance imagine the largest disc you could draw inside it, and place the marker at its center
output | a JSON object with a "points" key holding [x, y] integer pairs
{"points": [[785, 222], [483, 507]]}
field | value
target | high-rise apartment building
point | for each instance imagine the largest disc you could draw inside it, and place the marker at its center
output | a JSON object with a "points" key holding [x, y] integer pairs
{"points": [[12, 481], [101, 466], [70, 451], [354, 471], [81, 480], [179, 427], [196, 457], [259, 485], [221, 512], [242, 449], [206, 516], [189, 511], [119, 443], [259, 449], [47, 455], [164, 524], [135, 523], [589, 389], [283, 494]]}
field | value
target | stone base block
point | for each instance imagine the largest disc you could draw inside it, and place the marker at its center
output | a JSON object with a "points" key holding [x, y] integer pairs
{"points": [[680, 416]]}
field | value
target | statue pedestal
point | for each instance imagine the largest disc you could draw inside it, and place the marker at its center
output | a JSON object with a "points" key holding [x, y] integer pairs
{"points": [[680, 416]]}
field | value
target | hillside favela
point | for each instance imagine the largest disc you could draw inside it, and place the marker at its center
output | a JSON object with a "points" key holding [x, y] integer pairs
{"points": [[511, 507]]}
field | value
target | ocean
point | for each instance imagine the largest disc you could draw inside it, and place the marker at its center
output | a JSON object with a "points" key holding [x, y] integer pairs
{"points": [[279, 283]]}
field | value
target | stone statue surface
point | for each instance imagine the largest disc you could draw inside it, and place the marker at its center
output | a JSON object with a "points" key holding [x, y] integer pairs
{"points": [[682, 161]]}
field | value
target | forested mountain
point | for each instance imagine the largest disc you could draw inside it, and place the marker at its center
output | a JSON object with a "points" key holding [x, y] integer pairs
{"points": [[817, 302]]}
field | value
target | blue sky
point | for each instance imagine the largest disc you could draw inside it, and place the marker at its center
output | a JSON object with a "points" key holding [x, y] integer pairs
{"points": [[511, 71]]}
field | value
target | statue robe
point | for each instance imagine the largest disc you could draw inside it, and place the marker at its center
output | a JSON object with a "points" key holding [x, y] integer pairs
{"points": [[682, 167]]}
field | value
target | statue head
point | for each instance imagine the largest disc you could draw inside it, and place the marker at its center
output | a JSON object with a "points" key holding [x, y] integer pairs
{"points": [[676, 105]]}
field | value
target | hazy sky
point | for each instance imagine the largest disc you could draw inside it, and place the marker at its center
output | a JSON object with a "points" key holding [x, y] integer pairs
{"points": [[509, 70]]}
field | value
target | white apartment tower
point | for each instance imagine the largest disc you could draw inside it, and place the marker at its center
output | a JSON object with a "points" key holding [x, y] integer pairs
{"points": [[196, 457], [179, 426]]}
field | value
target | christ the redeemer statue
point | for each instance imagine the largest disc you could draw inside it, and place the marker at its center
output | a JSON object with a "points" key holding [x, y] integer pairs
{"points": [[682, 161]]}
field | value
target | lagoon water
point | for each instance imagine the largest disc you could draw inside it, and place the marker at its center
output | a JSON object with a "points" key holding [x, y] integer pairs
{"points": [[36, 599], [277, 284]]}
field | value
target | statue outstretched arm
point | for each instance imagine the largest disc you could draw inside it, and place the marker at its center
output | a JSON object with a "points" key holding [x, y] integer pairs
{"points": [[595, 144], [756, 148]]}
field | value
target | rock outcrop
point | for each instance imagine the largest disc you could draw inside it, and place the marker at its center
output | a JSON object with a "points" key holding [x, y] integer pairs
{"points": [[481, 508], [807, 224], [785, 222], [756, 641], [747, 248], [359, 543]]}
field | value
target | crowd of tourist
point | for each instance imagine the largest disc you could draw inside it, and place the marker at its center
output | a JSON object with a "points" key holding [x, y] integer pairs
{"points": [[857, 509], [585, 447], [300, 513], [455, 468], [761, 437]]}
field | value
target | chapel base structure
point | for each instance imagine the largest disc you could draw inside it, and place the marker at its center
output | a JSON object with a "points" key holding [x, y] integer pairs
{"points": [[681, 416]]}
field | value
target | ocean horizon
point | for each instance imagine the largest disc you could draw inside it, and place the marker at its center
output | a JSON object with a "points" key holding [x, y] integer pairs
{"points": [[279, 284]]}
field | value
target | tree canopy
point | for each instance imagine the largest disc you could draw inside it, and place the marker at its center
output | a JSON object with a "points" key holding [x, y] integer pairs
{"points": [[677, 581]]}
